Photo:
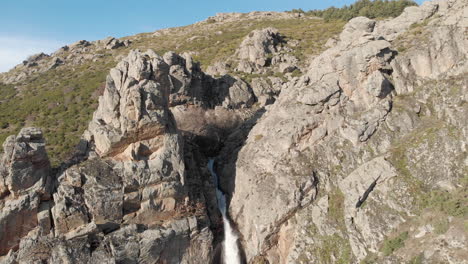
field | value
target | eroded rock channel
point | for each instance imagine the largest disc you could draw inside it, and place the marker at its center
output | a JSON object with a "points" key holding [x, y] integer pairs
{"points": [[231, 253]]}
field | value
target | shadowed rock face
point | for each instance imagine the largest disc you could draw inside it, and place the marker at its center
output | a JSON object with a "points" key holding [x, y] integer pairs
{"points": [[24, 162], [24, 179]]}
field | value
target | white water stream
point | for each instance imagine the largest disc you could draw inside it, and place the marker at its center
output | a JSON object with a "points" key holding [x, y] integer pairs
{"points": [[230, 248]]}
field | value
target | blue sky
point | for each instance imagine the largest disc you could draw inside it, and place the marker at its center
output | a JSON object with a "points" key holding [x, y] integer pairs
{"points": [[32, 26]]}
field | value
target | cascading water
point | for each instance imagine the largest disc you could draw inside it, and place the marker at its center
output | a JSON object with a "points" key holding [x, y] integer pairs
{"points": [[230, 248]]}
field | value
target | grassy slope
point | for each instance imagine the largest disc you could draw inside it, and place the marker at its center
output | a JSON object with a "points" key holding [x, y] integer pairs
{"points": [[61, 101]]}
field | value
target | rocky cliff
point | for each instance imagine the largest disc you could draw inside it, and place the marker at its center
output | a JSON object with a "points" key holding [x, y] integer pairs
{"points": [[356, 154]]}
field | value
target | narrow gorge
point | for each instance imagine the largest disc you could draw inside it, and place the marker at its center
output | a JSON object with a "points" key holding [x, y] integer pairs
{"points": [[231, 254], [355, 152]]}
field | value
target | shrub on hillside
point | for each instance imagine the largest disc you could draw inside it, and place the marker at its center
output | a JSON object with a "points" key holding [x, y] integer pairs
{"points": [[367, 8]]}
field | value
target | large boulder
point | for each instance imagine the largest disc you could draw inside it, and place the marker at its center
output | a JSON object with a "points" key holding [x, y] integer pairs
{"points": [[33, 60], [24, 182], [113, 43], [24, 164], [256, 47]]}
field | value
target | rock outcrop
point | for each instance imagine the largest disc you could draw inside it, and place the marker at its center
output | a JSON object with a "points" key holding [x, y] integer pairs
{"points": [[264, 50], [133, 115], [113, 43], [133, 185], [256, 47], [362, 159], [24, 182], [317, 145], [75, 54]]}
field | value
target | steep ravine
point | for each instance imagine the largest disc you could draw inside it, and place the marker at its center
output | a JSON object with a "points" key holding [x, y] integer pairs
{"points": [[231, 253]]}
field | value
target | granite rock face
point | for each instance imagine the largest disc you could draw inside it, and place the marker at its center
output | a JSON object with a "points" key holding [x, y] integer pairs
{"points": [[113, 43], [133, 117], [24, 164], [324, 148], [328, 100], [133, 185], [256, 47], [361, 159], [25, 181], [264, 50]]}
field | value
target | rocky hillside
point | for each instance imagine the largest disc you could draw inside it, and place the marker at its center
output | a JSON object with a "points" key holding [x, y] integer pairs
{"points": [[59, 92], [333, 142]]}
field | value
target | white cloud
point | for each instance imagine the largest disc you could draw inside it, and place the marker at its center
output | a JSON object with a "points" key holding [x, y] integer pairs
{"points": [[15, 49]]}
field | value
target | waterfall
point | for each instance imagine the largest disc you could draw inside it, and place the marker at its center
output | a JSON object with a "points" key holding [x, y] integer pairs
{"points": [[230, 248]]}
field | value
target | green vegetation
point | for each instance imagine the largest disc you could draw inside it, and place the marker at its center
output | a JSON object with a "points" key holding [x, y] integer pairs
{"points": [[334, 249], [336, 208], [61, 101], [296, 73], [425, 133], [440, 208], [390, 245], [417, 259], [371, 258], [329, 249], [415, 36], [419, 25], [441, 226], [210, 42], [367, 8], [453, 203]]}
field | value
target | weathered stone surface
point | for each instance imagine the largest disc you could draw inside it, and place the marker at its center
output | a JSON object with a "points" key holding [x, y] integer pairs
{"points": [[394, 27], [372, 180], [263, 51], [163, 244], [24, 163], [113, 43], [257, 45], [330, 125], [320, 92], [323, 168], [17, 218], [234, 93], [133, 108], [439, 52], [69, 211], [134, 183], [24, 181], [266, 90], [304, 114], [225, 17], [218, 69]]}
